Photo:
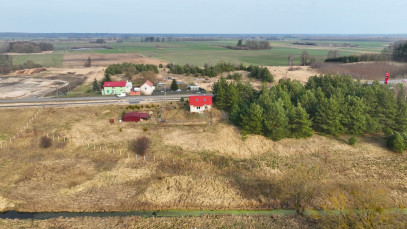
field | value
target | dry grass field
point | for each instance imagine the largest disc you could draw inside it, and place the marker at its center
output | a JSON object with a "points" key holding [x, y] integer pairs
{"points": [[188, 166], [164, 222]]}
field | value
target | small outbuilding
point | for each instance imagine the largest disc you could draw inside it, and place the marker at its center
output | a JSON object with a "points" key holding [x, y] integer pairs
{"points": [[134, 116]]}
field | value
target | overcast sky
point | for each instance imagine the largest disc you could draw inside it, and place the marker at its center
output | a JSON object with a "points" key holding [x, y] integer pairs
{"points": [[205, 16]]}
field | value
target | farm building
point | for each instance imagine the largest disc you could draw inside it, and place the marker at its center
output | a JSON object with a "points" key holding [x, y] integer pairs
{"points": [[114, 88], [200, 103], [147, 88], [134, 116]]}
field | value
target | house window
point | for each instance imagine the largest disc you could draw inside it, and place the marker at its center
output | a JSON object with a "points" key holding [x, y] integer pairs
{"points": [[196, 100], [205, 99], [206, 107], [198, 108], [145, 88], [107, 91]]}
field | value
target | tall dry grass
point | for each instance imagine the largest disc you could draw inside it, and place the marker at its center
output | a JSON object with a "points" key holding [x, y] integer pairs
{"points": [[364, 70]]}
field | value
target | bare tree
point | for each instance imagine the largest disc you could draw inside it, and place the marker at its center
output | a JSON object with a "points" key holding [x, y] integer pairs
{"points": [[333, 54], [290, 60], [304, 58]]}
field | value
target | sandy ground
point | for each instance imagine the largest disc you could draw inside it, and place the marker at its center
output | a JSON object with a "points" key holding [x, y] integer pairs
{"points": [[22, 87], [302, 75], [77, 60]]}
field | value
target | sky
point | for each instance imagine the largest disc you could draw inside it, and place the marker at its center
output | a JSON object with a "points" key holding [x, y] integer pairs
{"points": [[204, 16]]}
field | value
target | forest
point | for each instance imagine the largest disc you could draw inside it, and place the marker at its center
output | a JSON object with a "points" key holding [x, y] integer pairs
{"points": [[326, 104], [25, 47]]}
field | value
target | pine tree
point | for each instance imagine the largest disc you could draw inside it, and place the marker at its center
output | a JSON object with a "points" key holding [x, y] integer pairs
{"points": [[276, 121], [401, 117], [234, 116], [174, 85], [327, 118], [300, 124], [95, 85], [353, 118], [252, 120], [396, 142]]}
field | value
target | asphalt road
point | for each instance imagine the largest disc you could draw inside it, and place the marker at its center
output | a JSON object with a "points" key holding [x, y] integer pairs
{"points": [[35, 102]]}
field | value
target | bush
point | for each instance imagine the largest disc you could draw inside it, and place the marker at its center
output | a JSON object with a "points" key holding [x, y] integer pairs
{"points": [[145, 129], [45, 142], [140, 145], [396, 142], [352, 140]]}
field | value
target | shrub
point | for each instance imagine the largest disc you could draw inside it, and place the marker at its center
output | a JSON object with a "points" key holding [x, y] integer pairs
{"points": [[45, 142], [396, 142], [352, 140], [140, 145], [145, 129], [120, 129]]}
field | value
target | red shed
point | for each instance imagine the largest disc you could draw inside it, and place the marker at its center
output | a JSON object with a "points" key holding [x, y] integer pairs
{"points": [[134, 116]]}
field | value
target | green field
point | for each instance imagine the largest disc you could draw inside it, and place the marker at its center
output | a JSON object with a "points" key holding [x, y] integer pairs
{"points": [[211, 52]]}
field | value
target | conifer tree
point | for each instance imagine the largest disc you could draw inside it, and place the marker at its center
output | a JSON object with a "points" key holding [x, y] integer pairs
{"points": [[234, 116], [327, 118], [276, 121], [300, 124], [252, 120], [353, 119], [174, 85], [95, 85]]}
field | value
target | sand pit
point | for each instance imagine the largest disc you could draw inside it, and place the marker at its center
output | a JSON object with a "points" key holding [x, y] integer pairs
{"points": [[302, 74], [22, 87]]}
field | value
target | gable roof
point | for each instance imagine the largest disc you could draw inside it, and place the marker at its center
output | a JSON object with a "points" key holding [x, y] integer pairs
{"points": [[115, 84], [200, 100], [136, 114], [148, 83]]}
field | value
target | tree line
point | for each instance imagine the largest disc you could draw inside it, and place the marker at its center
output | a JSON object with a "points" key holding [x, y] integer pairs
{"points": [[6, 64], [396, 52], [327, 104], [152, 39], [25, 47], [250, 45], [359, 58], [261, 73]]}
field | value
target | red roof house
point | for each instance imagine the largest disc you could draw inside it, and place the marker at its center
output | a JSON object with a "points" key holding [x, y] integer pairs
{"points": [[134, 116], [199, 103], [114, 88], [115, 84]]}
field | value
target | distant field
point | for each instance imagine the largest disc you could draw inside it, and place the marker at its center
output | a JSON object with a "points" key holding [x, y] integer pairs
{"points": [[46, 60], [211, 52]]}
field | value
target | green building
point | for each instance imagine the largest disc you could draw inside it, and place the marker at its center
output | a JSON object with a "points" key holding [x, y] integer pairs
{"points": [[114, 88]]}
